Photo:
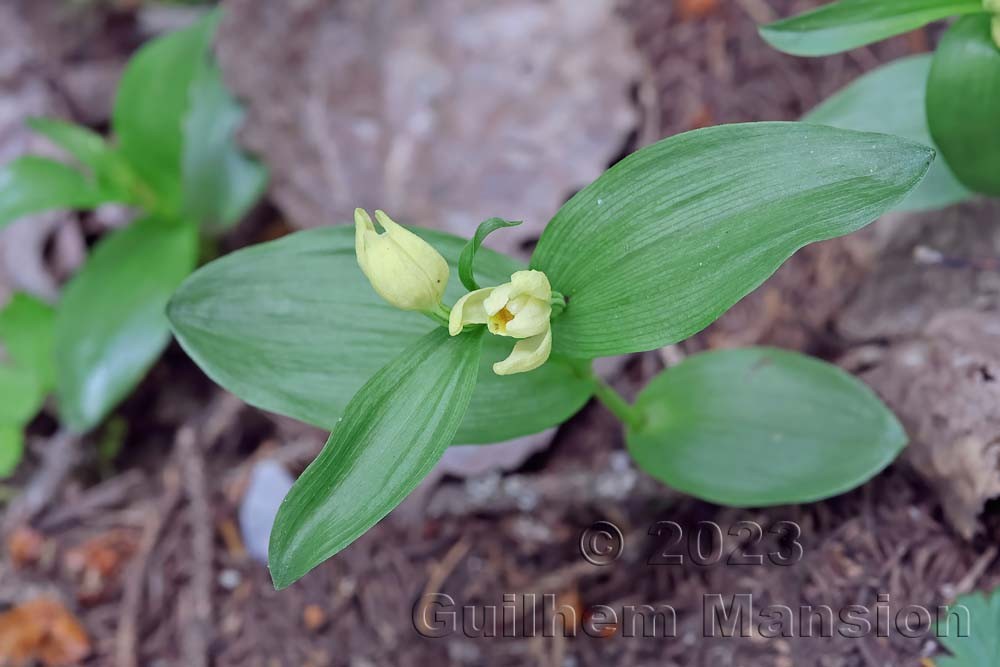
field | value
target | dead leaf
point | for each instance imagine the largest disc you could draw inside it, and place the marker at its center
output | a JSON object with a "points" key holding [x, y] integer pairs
{"points": [[313, 617], [97, 564], [443, 113], [945, 385], [42, 630], [690, 10], [24, 546]]}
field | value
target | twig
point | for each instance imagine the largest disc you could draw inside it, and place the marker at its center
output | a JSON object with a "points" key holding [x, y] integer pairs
{"points": [[192, 440], [59, 455], [128, 626], [438, 576], [197, 621]]}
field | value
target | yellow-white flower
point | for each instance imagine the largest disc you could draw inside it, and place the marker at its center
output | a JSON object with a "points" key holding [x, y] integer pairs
{"points": [[519, 309], [404, 269], [993, 6]]}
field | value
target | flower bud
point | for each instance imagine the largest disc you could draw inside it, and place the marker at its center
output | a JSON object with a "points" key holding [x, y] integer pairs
{"points": [[404, 269]]}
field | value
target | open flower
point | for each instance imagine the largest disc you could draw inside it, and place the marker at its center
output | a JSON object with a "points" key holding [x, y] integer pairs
{"points": [[519, 309], [404, 269]]}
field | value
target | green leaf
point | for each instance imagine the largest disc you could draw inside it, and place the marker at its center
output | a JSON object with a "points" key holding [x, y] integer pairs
{"points": [[152, 103], [33, 184], [111, 171], [393, 432], [292, 326], [11, 448], [26, 331], [977, 643], [468, 257], [759, 426], [21, 395], [963, 103], [891, 100], [672, 236], [848, 24], [220, 182], [110, 324]]}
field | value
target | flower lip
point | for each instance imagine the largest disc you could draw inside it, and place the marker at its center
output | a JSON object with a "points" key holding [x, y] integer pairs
{"points": [[521, 308]]}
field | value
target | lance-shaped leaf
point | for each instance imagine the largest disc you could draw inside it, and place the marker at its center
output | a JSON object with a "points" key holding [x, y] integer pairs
{"points": [[393, 432], [152, 103], [963, 103], [293, 326], [110, 324], [672, 236], [34, 184], [892, 100], [760, 426], [848, 24]]}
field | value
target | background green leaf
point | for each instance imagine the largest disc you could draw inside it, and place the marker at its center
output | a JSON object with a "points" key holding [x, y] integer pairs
{"points": [[981, 645], [293, 326], [11, 448], [110, 324], [33, 184], [393, 432], [848, 24], [220, 182], [892, 100], [152, 103], [21, 395], [757, 427], [672, 236], [26, 332], [963, 103]]}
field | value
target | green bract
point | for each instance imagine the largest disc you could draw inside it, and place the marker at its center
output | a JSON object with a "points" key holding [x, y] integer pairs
{"points": [[393, 432], [173, 157], [648, 254], [672, 236], [292, 326]]}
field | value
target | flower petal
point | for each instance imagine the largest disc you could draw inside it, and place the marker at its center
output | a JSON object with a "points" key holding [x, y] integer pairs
{"points": [[468, 310], [527, 355], [363, 226], [531, 316], [531, 282]]}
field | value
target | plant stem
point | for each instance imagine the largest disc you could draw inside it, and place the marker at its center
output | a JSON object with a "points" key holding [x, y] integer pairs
{"points": [[616, 403], [440, 314]]}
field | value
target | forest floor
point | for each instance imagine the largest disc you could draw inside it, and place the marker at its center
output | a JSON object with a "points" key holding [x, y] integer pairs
{"points": [[143, 545]]}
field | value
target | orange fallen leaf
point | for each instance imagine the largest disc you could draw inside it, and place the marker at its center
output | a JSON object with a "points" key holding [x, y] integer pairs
{"points": [[42, 630], [98, 562], [314, 617], [696, 9], [24, 545]]}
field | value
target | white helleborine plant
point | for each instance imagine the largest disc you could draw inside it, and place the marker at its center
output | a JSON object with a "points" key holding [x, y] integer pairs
{"points": [[403, 268], [520, 309], [410, 274]]}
